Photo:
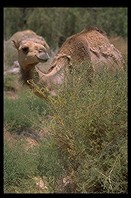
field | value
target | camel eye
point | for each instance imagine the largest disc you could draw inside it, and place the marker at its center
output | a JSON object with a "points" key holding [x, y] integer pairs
{"points": [[25, 50]]}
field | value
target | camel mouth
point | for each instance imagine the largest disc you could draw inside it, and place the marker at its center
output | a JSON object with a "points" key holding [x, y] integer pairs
{"points": [[43, 57], [42, 60]]}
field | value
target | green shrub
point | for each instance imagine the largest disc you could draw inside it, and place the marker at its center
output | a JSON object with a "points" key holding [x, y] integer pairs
{"points": [[11, 83], [89, 127], [48, 159], [19, 165], [24, 112], [87, 142]]}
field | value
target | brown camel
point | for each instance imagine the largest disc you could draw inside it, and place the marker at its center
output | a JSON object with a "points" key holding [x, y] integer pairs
{"points": [[90, 45]]}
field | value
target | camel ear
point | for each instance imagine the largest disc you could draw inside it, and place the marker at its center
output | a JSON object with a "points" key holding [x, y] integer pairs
{"points": [[15, 44]]}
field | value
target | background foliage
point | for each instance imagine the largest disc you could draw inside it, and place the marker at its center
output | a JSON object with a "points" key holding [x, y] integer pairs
{"points": [[53, 22]]}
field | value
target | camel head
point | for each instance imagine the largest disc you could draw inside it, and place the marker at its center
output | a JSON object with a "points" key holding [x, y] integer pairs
{"points": [[31, 51]]}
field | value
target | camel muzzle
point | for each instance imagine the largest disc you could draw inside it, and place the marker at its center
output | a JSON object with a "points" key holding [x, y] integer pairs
{"points": [[43, 57]]}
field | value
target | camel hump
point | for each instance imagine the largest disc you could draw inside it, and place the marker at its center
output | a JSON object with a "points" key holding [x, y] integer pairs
{"points": [[91, 28], [89, 33]]}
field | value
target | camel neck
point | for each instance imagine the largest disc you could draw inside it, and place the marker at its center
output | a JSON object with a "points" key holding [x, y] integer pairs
{"points": [[27, 74]]}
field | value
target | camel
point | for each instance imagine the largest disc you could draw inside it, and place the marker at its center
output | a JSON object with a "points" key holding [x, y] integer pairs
{"points": [[32, 49], [91, 45]]}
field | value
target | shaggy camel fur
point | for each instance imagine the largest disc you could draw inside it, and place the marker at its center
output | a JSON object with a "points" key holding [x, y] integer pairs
{"points": [[90, 45]]}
